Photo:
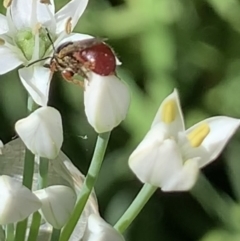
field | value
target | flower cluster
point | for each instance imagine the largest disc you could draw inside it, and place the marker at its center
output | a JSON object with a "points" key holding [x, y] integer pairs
{"points": [[55, 203], [30, 33], [168, 157], [27, 32]]}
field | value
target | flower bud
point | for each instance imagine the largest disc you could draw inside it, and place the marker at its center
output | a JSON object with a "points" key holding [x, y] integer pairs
{"points": [[42, 132], [99, 230], [106, 100], [57, 204], [16, 201]]}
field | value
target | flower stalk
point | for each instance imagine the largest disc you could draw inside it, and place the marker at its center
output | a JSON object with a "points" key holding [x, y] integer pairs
{"points": [[28, 171], [88, 184], [10, 232], [43, 173], [34, 228], [135, 208], [42, 183], [55, 234]]}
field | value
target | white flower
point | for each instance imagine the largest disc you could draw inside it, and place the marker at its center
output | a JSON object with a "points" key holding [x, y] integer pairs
{"points": [[16, 201], [23, 31], [170, 156], [106, 100], [57, 204], [98, 230], [42, 132]]}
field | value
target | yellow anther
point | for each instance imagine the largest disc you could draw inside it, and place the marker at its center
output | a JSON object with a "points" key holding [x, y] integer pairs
{"points": [[7, 3], [68, 26], [169, 111], [197, 136]]}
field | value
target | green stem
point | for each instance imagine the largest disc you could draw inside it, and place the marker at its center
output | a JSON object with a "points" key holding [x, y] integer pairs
{"points": [[43, 173], [215, 204], [88, 185], [135, 208], [42, 183], [10, 232], [36, 221], [21, 230], [55, 234], [28, 171]]}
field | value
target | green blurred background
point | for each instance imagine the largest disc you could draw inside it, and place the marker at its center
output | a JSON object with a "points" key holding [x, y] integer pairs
{"points": [[191, 45]]}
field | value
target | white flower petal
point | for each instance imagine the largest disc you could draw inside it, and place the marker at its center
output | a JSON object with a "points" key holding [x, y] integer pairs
{"points": [[74, 9], [21, 13], [157, 133], [27, 13], [155, 161], [185, 179], [99, 230], [10, 60], [106, 100], [57, 204], [177, 124], [71, 38], [42, 132], [36, 80], [3, 24], [16, 201], [221, 130]]}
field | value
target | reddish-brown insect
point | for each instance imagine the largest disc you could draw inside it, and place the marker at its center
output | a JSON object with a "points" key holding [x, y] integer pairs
{"points": [[83, 56]]}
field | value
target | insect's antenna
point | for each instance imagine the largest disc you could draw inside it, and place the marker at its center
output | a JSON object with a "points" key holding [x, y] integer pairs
{"points": [[50, 39], [36, 61]]}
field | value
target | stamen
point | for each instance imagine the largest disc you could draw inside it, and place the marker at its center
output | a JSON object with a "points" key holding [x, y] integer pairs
{"points": [[68, 27], [7, 3], [197, 136], [45, 2], [34, 14], [169, 111], [36, 49]]}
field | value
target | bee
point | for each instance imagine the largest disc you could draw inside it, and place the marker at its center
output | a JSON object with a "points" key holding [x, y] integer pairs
{"points": [[81, 57]]}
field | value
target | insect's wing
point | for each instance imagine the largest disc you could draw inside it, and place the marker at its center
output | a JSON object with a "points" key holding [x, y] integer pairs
{"points": [[77, 46]]}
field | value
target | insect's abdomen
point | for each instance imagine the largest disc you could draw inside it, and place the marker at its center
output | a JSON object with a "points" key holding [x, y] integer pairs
{"points": [[99, 58]]}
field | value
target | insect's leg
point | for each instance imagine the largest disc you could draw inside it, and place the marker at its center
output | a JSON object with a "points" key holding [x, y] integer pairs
{"points": [[82, 73], [69, 77]]}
